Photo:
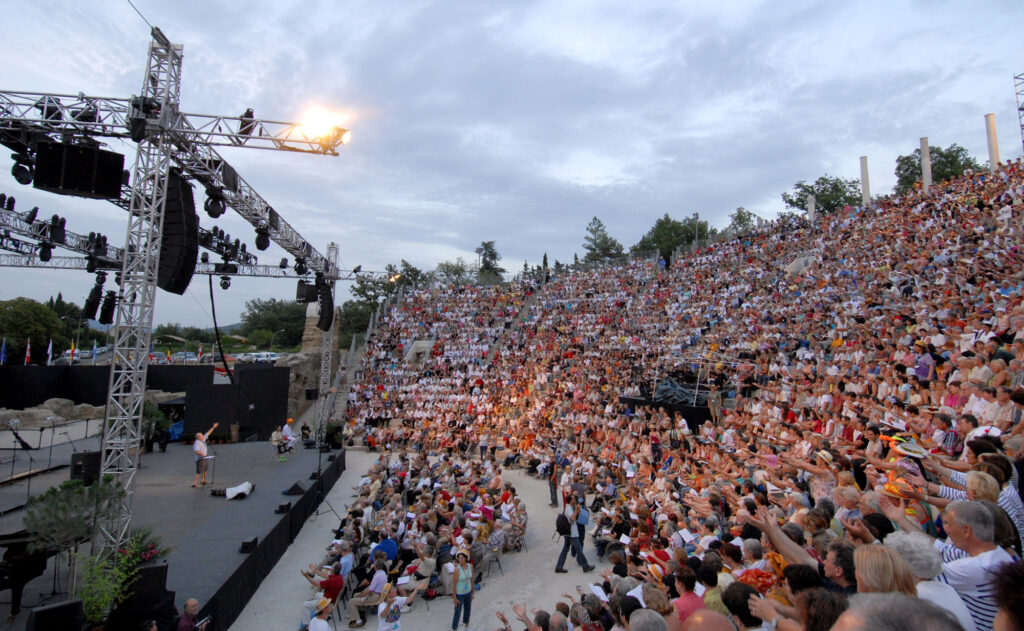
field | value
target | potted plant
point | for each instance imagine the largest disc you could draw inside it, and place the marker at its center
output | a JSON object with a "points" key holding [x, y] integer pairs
{"points": [[99, 587], [154, 424], [334, 434]]}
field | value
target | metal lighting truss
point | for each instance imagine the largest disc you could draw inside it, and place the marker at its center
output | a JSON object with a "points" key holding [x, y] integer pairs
{"points": [[25, 257], [165, 136], [326, 352]]}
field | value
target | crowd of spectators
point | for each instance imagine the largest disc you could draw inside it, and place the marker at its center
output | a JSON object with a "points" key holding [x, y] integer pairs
{"points": [[864, 471]]}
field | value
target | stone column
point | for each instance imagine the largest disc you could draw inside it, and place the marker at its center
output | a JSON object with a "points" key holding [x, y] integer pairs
{"points": [[926, 165], [993, 142], [865, 184]]}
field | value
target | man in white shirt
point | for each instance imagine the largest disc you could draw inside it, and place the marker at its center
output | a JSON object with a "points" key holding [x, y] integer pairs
{"points": [[199, 450]]}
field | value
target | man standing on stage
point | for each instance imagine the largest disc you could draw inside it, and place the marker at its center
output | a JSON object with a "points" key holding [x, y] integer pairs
{"points": [[199, 449]]}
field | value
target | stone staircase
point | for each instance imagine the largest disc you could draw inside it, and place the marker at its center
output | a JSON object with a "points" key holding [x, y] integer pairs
{"points": [[516, 323]]}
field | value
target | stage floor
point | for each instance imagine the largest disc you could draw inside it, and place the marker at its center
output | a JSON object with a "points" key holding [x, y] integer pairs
{"points": [[203, 531]]}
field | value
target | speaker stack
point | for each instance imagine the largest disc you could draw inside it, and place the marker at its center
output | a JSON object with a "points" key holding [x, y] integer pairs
{"points": [[179, 248]]}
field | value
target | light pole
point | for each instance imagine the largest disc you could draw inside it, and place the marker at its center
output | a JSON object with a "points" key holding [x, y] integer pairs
{"points": [[272, 338]]}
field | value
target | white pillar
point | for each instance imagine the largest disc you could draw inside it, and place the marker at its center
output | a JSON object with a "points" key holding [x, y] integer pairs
{"points": [[865, 185], [926, 165], [993, 142], [810, 208]]}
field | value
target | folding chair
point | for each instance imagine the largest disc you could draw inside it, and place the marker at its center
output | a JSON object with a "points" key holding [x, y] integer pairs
{"points": [[497, 559]]}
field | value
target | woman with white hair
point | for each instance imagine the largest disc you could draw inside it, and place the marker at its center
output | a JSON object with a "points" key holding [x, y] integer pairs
{"points": [[925, 563]]}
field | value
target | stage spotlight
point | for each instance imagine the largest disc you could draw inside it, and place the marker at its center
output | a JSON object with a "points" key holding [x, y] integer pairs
{"points": [[45, 252], [262, 238], [22, 173], [10, 203], [225, 282], [247, 124], [204, 257], [31, 215], [300, 267], [90, 264], [283, 264], [214, 204], [107, 310], [58, 233], [357, 269]]}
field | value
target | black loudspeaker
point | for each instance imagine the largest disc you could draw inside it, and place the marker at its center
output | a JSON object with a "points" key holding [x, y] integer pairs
{"points": [[77, 170], [314, 476], [249, 546], [59, 616], [150, 583], [283, 508], [296, 489], [179, 248], [85, 466], [312, 394]]}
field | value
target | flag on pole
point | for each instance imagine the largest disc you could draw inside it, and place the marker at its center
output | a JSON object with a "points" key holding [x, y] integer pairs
{"points": [[168, 356], [151, 351], [94, 351], [28, 351], [49, 353], [3, 352], [71, 360], [200, 351]]}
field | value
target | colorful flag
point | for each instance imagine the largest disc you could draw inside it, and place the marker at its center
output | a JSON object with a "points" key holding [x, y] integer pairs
{"points": [[94, 351], [28, 351], [168, 354], [49, 353], [151, 351], [71, 360], [200, 351], [3, 352]]}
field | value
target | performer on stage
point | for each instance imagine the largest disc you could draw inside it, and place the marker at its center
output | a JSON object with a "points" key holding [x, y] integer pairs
{"points": [[199, 449], [289, 435]]}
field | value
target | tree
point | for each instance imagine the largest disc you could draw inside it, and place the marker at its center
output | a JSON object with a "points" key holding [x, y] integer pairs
{"points": [[742, 221], [23, 320], [544, 264], [947, 164], [274, 315], [412, 276], [667, 234], [352, 320], [457, 272], [600, 245], [489, 271], [75, 326], [830, 194]]}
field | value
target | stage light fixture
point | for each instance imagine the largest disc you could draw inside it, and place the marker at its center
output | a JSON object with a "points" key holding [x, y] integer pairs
{"points": [[283, 264], [90, 264], [92, 303], [107, 310], [357, 269], [58, 233], [204, 257], [225, 282], [22, 173], [300, 267], [10, 203], [247, 124], [31, 215], [45, 252], [214, 204], [262, 238]]}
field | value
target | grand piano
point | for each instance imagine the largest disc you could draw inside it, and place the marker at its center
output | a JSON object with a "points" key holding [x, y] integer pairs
{"points": [[19, 566]]}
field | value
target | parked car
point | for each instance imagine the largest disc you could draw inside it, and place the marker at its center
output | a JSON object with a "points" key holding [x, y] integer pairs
{"points": [[184, 357], [265, 357], [245, 357]]}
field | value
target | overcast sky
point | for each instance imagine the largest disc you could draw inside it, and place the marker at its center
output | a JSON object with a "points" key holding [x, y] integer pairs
{"points": [[519, 121]]}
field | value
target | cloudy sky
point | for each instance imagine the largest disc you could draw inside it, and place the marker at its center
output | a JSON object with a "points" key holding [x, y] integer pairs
{"points": [[519, 121]]}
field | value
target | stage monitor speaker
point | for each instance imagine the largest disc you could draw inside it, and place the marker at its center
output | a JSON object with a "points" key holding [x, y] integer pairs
{"points": [[331, 458], [179, 247], [296, 489], [312, 394], [150, 583], [85, 466], [249, 545], [62, 615], [283, 509], [325, 448], [68, 169], [314, 476]]}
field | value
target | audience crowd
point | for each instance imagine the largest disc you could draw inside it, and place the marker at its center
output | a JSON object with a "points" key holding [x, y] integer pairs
{"points": [[858, 465]]}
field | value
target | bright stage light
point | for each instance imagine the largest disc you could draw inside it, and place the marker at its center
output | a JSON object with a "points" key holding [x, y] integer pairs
{"points": [[318, 122]]}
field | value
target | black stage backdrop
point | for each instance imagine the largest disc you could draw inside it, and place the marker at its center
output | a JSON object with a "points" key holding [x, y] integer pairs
{"points": [[28, 386], [257, 401], [235, 593]]}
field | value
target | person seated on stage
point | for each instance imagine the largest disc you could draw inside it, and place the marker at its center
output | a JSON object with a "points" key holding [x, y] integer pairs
{"points": [[289, 435], [277, 440], [305, 432]]}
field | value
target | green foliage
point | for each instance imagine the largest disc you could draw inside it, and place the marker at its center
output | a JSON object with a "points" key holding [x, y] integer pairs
{"points": [[273, 315], [66, 515], [457, 272], [489, 271], [947, 164], [99, 587], [75, 328], [260, 338], [153, 418], [22, 320], [667, 234], [353, 319], [600, 245], [830, 194], [742, 221]]}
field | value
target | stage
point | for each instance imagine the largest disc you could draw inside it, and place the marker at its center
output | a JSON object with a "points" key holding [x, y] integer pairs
{"points": [[204, 532]]}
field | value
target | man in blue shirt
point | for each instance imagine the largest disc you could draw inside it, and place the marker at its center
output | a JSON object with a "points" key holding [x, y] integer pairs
{"points": [[387, 545]]}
